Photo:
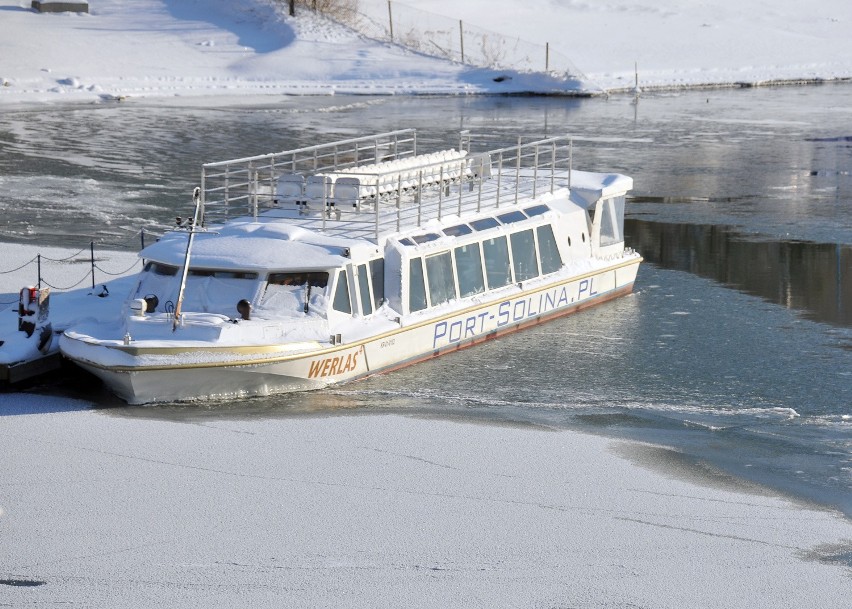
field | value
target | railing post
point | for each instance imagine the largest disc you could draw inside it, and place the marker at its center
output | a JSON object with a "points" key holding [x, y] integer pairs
{"points": [[38, 257], [440, 190], [204, 190], [499, 177], [252, 185], [570, 160], [518, 170], [461, 183], [92, 252], [271, 180], [535, 171], [390, 20], [398, 200], [461, 39], [552, 164], [419, 196], [377, 215]]}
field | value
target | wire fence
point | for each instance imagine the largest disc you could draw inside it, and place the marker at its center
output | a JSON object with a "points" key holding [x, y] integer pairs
{"points": [[59, 273], [465, 43]]}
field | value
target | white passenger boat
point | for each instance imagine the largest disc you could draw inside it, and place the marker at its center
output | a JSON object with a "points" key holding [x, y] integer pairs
{"points": [[329, 263]]}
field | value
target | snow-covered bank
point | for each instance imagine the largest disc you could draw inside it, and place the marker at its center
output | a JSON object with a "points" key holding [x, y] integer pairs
{"points": [[171, 48], [128, 509]]}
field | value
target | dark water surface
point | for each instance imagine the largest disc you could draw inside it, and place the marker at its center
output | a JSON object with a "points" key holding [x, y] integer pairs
{"points": [[736, 347]]}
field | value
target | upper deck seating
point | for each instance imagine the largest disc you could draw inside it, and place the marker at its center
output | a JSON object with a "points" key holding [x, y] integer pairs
{"points": [[352, 186], [290, 189]]}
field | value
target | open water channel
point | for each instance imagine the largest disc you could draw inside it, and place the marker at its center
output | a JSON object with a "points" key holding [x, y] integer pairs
{"points": [[735, 349]]}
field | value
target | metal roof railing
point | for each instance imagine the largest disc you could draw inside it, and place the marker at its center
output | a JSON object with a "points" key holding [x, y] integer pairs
{"points": [[376, 185]]}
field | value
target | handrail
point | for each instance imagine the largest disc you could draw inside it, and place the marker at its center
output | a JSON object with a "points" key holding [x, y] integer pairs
{"points": [[388, 179], [338, 143]]}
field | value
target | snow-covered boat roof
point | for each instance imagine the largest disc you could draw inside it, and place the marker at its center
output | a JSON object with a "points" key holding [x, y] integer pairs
{"points": [[252, 245]]}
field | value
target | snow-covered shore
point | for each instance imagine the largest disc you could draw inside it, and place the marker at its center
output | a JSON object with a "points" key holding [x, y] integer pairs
{"points": [[140, 508], [189, 48]]}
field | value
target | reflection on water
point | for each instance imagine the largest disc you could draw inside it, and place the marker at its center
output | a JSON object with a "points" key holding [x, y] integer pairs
{"points": [[815, 278]]}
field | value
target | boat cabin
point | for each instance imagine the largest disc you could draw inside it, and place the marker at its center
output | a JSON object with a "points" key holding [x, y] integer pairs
{"points": [[401, 233]]}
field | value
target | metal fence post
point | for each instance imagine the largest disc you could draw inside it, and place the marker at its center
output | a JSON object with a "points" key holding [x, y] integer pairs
{"points": [[461, 39]]}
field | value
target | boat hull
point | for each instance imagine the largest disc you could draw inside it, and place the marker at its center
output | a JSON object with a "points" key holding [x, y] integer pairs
{"points": [[410, 343]]}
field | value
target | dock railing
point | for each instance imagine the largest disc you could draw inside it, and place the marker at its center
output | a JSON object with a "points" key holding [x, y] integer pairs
{"points": [[379, 184]]}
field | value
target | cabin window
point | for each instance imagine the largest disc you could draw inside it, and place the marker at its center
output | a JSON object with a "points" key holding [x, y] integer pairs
{"points": [[458, 230], [442, 283], [221, 274], [612, 220], [548, 251], [315, 280], [484, 223], [377, 276], [293, 291], [469, 270], [512, 216], [496, 253], [523, 255], [341, 294], [536, 210], [416, 285], [364, 290], [161, 269], [425, 238]]}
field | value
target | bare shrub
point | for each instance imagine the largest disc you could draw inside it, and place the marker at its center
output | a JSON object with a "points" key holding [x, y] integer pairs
{"points": [[344, 11]]}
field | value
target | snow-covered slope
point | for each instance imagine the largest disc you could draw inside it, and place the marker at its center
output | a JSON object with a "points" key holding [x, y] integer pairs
{"points": [[164, 48]]}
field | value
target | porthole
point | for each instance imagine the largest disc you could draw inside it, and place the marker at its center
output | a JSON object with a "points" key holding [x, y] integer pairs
{"points": [[583, 235], [569, 241]]}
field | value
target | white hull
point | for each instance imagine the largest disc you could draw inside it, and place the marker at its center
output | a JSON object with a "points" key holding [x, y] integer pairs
{"points": [[177, 377]]}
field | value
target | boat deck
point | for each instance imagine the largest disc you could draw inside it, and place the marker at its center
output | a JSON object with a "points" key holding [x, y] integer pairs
{"points": [[379, 185]]}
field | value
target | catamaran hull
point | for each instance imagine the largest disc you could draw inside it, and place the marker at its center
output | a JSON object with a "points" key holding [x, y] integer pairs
{"points": [[180, 381]]}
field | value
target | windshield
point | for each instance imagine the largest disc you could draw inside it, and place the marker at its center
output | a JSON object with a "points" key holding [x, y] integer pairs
{"points": [[207, 290]]}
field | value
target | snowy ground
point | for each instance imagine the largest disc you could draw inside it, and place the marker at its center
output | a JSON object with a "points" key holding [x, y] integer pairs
{"points": [[168, 48], [111, 509]]}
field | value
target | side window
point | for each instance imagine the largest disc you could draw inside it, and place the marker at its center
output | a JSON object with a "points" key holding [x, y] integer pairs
{"points": [[612, 221], [364, 290], [416, 287], [442, 283], [377, 274], [341, 293], [548, 251], [496, 253], [469, 269], [523, 255]]}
